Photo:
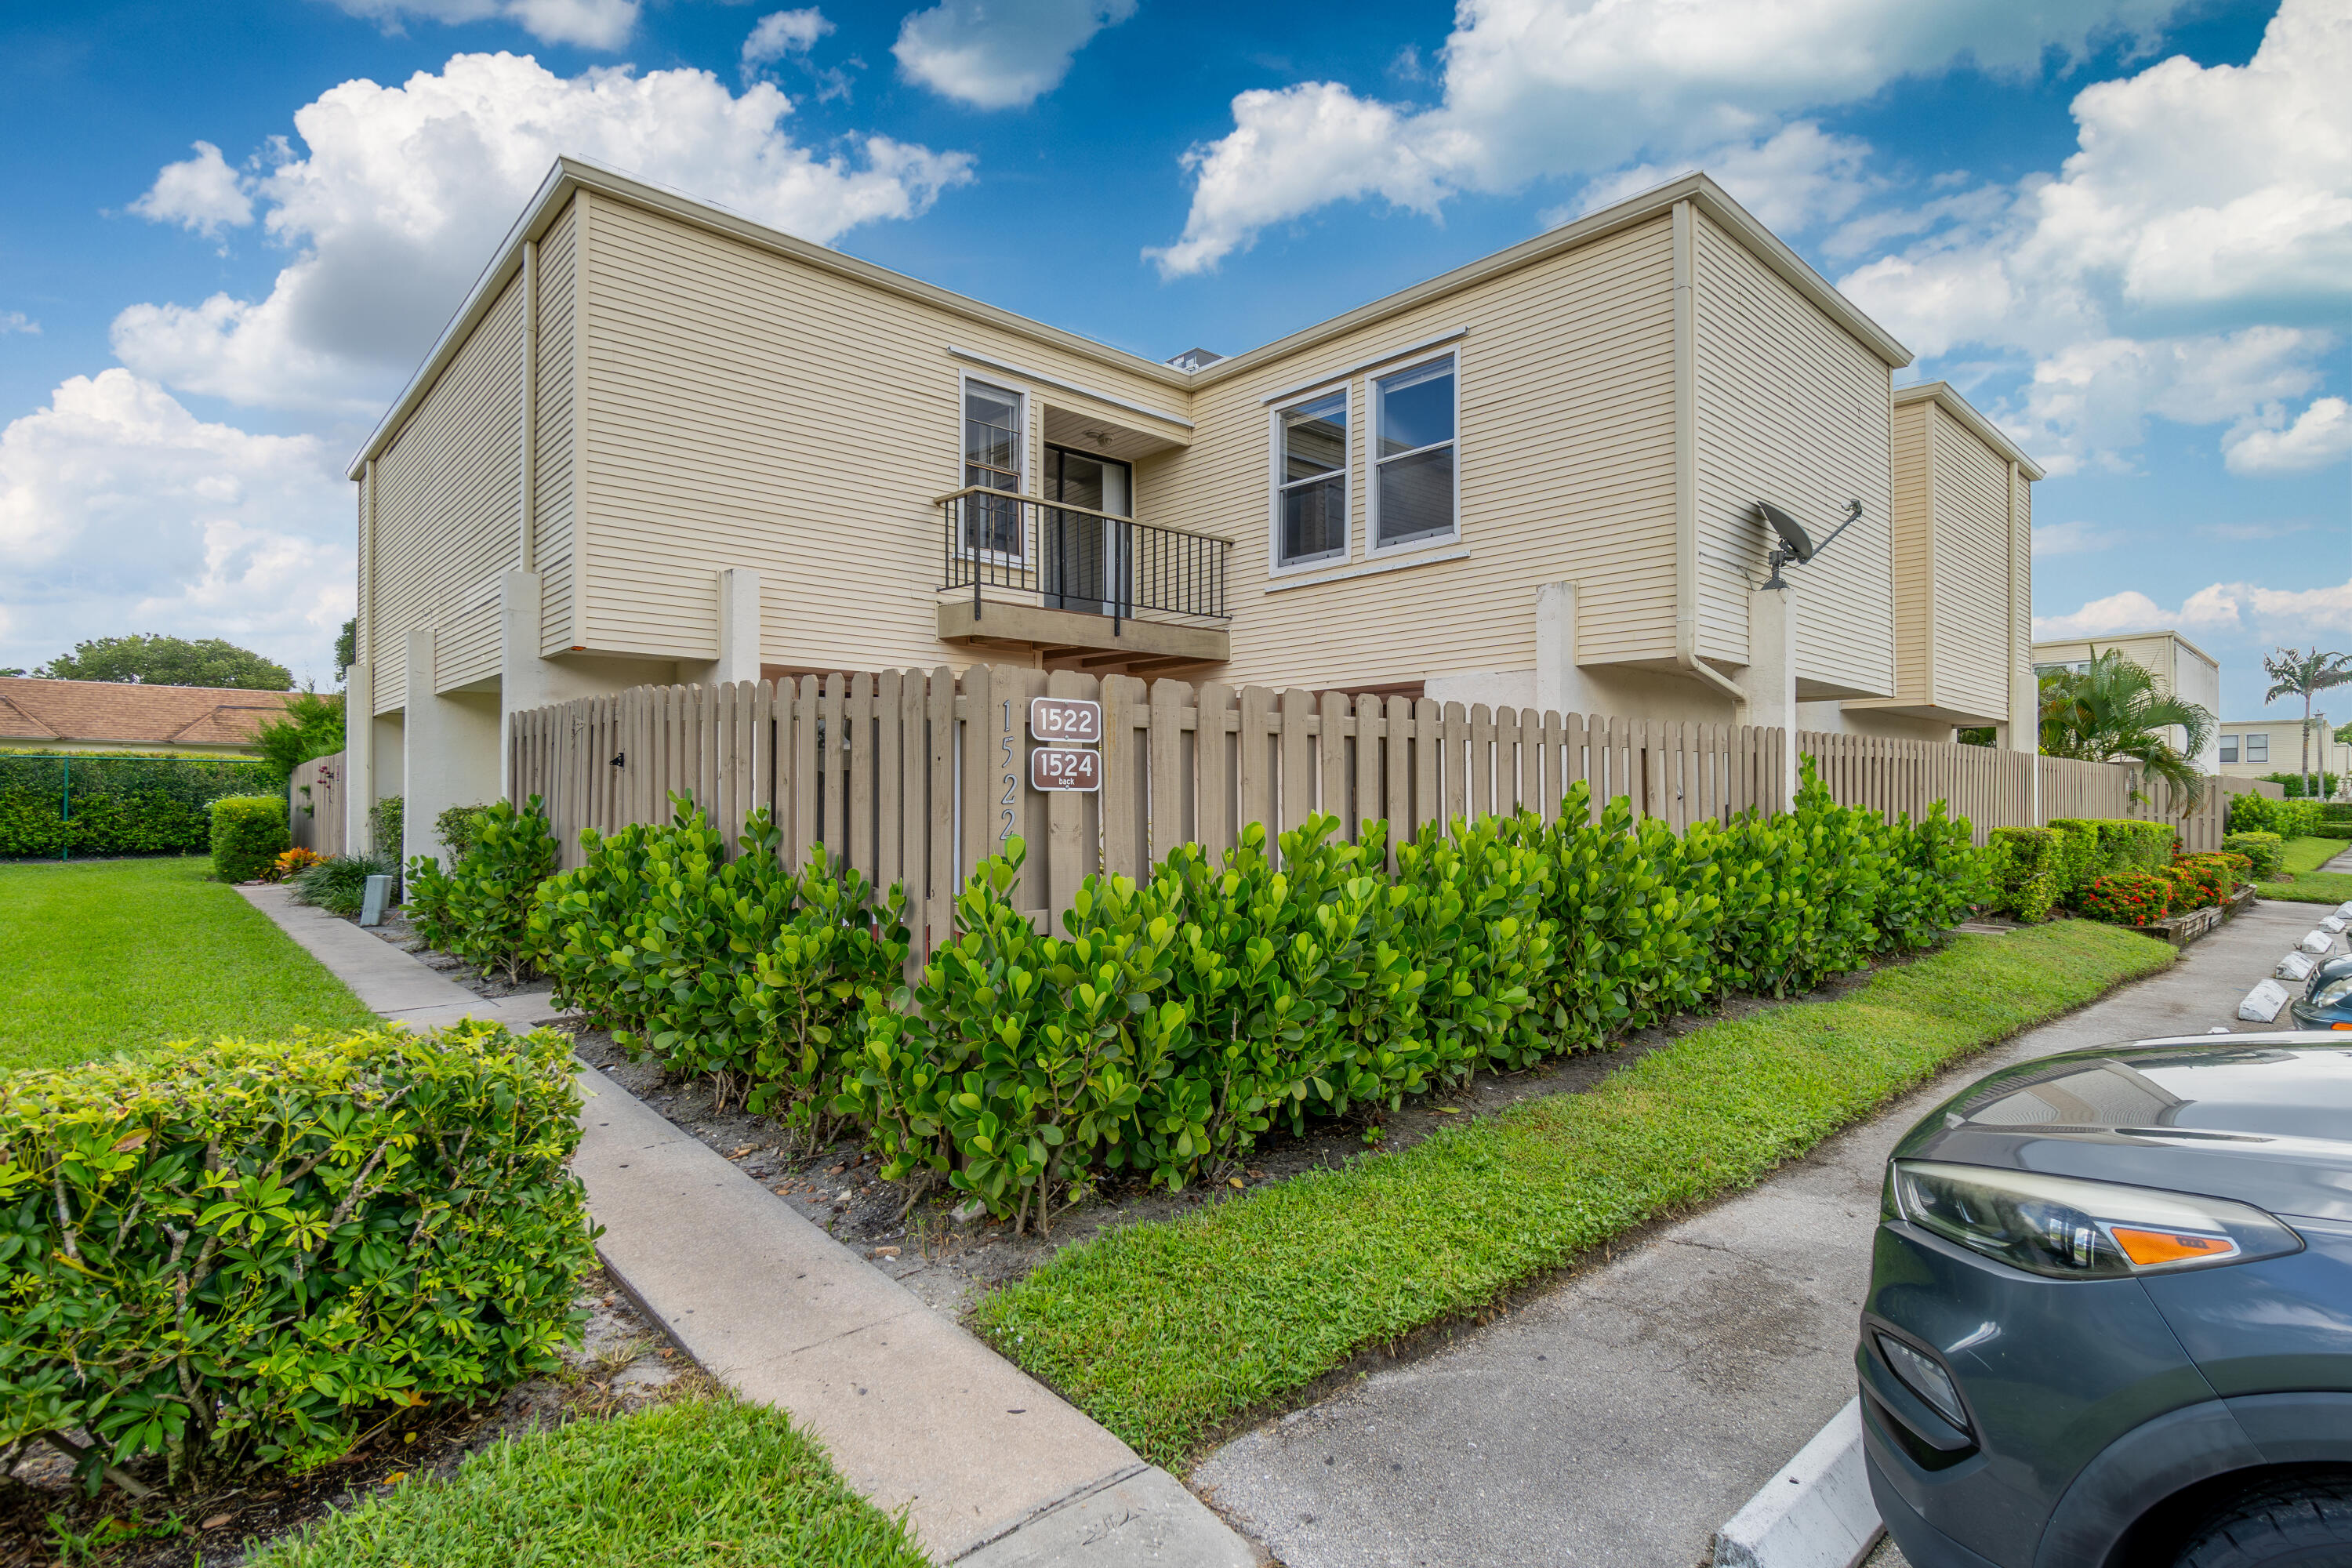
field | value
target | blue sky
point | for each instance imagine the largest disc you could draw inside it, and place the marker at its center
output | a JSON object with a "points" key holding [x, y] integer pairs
{"points": [[2123, 227]]}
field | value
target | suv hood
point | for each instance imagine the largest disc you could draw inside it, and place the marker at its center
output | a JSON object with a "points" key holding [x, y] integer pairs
{"points": [[2263, 1120]]}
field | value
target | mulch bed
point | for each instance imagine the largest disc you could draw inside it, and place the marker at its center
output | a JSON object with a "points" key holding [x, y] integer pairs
{"points": [[624, 1364]]}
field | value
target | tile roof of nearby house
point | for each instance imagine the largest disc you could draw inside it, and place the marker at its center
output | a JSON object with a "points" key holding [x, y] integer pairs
{"points": [[122, 713]]}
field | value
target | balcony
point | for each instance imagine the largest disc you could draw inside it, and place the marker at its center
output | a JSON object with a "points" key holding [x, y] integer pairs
{"points": [[1085, 589]]}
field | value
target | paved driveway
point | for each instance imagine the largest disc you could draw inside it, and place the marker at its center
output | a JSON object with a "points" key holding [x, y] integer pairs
{"points": [[1620, 1417]]}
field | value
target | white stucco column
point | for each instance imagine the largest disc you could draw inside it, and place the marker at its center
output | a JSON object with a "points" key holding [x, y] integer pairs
{"points": [[359, 755], [1561, 686], [1770, 681], [451, 750], [739, 625], [523, 680]]}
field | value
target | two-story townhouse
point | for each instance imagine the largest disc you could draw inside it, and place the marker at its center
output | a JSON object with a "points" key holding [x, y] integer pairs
{"points": [[2182, 668], [660, 442]]}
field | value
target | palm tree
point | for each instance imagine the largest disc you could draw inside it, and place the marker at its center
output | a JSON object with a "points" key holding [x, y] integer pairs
{"points": [[2305, 675], [2112, 712]]}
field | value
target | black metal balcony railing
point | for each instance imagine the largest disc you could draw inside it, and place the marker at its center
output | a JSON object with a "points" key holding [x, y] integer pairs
{"points": [[1076, 558]]}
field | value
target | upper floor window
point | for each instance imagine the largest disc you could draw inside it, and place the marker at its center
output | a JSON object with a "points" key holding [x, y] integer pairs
{"points": [[1413, 470], [1311, 486], [2258, 748], [992, 459], [2228, 748]]}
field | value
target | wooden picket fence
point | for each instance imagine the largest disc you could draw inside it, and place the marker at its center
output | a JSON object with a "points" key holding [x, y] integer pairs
{"points": [[314, 804], [916, 776]]}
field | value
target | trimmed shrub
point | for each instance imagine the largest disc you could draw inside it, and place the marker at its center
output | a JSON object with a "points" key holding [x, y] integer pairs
{"points": [[2259, 814], [740, 969], [249, 832], [456, 829], [119, 804], [339, 885], [2264, 852], [2127, 845], [247, 1253], [2128, 898], [483, 907], [386, 821], [2025, 870], [2331, 830], [2336, 811], [2080, 856]]}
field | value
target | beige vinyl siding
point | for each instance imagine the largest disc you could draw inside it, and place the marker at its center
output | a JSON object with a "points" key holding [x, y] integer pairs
{"points": [[1566, 459], [1792, 409], [552, 454], [1913, 550], [2025, 703], [745, 409], [1973, 651], [446, 516]]}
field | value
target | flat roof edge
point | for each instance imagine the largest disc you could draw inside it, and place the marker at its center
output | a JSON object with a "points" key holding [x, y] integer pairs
{"points": [[1948, 397]]}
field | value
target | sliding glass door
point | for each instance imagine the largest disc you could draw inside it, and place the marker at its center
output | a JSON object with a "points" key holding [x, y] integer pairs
{"points": [[1086, 561]]}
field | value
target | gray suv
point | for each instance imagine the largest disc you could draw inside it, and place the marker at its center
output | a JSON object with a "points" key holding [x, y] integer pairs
{"points": [[2110, 1312]]}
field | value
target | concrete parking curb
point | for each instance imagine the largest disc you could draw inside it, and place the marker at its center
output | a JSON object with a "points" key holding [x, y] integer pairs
{"points": [[1816, 1513]]}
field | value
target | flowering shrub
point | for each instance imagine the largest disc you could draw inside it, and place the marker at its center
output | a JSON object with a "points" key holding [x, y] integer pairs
{"points": [[2203, 880], [2128, 898], [292, 863]]}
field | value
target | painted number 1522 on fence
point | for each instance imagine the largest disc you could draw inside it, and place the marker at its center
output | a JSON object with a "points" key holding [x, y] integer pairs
{"points": [[1060, 767]]}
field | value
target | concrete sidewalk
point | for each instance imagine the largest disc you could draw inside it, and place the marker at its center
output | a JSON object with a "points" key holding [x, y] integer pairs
{"points": [[994, 1470], [388, 981], [1622, 1417]]}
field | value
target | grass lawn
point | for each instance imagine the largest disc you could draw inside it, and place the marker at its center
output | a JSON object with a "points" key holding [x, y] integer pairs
{"points": [[2304, 856], [113, 955], [1167, 1332], [701, 1482]]}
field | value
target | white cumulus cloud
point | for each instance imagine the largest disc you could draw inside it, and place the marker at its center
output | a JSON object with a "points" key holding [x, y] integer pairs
{"points": [[1001, 54], [1539, 88], [121, 511], [2220, 609], [781, 33], [202, 193], [17, 321], [2153, 274], [2321, 434], [589, 24], [399, 195]]}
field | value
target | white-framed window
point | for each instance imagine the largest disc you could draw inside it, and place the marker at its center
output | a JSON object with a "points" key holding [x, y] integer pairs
{"points": [[2258, 748], [1416, 476], [2228, 748], [1309, 512], [996, 457]]}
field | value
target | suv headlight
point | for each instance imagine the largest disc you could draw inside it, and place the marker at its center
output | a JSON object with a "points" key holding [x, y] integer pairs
{"points": [[2064, 1228], [2330, 992]]}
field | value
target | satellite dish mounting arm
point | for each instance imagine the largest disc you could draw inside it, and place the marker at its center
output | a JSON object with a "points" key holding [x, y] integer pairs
{"points": [[1794, 546]]}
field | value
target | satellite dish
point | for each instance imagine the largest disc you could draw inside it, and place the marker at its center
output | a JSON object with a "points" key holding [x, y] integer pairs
{"points": [[1796, 544], [1793, 537]]}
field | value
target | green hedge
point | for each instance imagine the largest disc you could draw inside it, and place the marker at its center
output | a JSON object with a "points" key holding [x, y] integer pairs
{"points": [[249, 832], [2336, 811], [1174, 1021], [2251, 813], [2030, 869], [2266, 850], [245, 1253], [2331, 830], [481, 909], [120, 805]]}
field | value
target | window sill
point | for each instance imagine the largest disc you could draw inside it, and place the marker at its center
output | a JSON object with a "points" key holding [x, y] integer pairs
{"points": [[1371, 568]]}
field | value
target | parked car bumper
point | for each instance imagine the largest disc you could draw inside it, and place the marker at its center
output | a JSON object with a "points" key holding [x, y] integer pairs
{"points": [[1923, 1545]]}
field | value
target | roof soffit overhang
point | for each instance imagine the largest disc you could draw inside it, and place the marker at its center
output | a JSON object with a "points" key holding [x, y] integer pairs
{"points": [[570, 175]]}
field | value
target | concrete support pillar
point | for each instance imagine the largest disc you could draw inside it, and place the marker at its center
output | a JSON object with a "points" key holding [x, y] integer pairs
{"points": [[523, 675], [1770, 681], [359, 756], [1560, 685], [739, 625], [451, 746]]}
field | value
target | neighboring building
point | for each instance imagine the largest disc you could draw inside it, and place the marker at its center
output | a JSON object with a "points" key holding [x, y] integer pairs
{"points": [[2257, 748], [124, 716], [662, 443], [2181, 670]]}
